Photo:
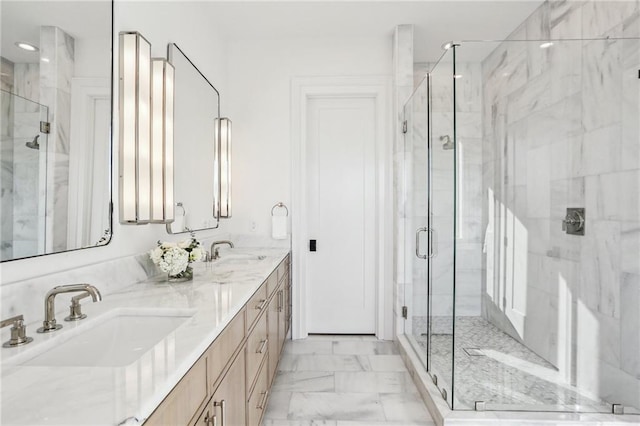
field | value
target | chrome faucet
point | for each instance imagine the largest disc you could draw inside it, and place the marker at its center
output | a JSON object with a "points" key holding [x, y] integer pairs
{"points": [[49, 323], [215, 252]]}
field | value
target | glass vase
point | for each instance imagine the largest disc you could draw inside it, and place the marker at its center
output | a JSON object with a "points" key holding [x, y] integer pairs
{"points": [[186, 275]]}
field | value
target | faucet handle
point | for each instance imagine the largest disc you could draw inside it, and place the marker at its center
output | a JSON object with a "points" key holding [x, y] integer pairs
{"points": [[75, 309], [18, 332]]}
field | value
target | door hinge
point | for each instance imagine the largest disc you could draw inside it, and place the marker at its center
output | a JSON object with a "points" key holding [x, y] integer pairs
{"points": [[404, 126], [45, 127], [405, 312]]}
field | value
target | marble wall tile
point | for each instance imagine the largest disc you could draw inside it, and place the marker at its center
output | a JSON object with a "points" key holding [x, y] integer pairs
{"points": [[603, 18], [565, 19], [630, 326], [602, 93]]}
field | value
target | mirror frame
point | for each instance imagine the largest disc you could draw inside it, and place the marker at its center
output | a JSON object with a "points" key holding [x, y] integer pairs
{"points": [[107, 237], [216, 190]]}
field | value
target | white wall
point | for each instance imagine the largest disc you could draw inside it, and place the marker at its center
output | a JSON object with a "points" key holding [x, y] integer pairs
{"points": [[157, 22], [260, 73]]}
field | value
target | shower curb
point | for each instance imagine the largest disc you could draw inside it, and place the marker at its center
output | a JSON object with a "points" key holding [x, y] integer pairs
{"points": [[443, 416]]}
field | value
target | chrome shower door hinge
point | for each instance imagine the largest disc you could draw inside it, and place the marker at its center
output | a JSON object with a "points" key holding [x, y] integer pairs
{"points": [[45, 127], [405, 312]]}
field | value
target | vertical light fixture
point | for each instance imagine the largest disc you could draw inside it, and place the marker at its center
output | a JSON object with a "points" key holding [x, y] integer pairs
{"points": [[223, 143], [162, 210], [135, 128]]}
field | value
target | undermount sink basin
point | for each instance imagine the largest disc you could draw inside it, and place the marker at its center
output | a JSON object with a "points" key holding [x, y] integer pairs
{"points": [[117, 340]]}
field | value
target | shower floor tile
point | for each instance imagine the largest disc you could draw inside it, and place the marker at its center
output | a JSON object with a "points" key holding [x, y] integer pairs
{"points": [[493, 367]]}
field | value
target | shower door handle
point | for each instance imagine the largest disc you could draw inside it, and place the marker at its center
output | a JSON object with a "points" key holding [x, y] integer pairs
{"points": [[418, 231]]}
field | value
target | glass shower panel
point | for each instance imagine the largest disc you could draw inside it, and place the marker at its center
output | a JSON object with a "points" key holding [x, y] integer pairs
{"points": [[23, 157], [546, 319], [441, 222], [416, 286]]}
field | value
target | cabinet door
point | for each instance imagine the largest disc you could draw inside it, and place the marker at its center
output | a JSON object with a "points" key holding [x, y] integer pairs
{"points": [[273, 324], [228, 404], [282, 320]]}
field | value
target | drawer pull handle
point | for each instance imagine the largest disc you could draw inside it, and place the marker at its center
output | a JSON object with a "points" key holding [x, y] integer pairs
{"points": [[210, 421], [263, 346], [223, 411], [261, 305], [263, 401]]}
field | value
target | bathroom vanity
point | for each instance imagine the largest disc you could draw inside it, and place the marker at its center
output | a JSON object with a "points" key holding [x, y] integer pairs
{"points": [[198, 353]]}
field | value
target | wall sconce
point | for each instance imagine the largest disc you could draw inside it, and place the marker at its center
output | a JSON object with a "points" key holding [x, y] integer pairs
{"points": [[162, 95], [223, 142], [135, 128], [146, 133]]}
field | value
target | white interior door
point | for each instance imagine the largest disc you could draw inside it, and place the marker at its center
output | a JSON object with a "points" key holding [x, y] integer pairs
{"points": [[341, 214]]}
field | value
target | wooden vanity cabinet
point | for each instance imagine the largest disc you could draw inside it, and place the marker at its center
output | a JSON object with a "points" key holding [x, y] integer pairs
{"points": [[236, 371]]}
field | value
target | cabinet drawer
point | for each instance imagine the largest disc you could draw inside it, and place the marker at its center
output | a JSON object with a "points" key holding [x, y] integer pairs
{"points": [[256, 305], [225, 345], [258, 399], [257, 346]]}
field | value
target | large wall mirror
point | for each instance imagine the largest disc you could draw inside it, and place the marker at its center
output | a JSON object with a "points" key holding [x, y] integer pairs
{"points": [[196, 169], [55, 126]]}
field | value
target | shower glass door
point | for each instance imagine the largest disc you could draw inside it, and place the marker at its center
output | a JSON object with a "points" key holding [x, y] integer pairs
{"points": [[429, 231], [417, 285], [23, 157], [441, 222]]}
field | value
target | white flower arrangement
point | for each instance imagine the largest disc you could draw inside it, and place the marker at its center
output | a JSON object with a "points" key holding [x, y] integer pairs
{"points": [[174, 258]]}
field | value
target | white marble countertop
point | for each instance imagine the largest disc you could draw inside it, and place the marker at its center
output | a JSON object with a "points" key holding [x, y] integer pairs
{"points": [[111, 395]]}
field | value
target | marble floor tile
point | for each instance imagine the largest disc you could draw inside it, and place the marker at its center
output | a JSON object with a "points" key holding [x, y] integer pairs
{"points": [[278, 405], [278, 422], [404, 407], [324, 363], [343, 337], [385, 363], [305, 381], [385, 423], [336, 406], [364, 348], [354, 386], [385, 382], [309, 346]]}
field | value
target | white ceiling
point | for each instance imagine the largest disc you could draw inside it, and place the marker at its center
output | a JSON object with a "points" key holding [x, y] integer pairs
{"points": [[21, 21], [435, 22]]}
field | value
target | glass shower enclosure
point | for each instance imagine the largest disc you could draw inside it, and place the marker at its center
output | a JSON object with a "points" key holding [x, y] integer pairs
{"points": [[522, 179]]}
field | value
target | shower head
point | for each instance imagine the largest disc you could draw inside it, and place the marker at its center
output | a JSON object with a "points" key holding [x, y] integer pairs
{"points": [[448, 143], [34, 143]]}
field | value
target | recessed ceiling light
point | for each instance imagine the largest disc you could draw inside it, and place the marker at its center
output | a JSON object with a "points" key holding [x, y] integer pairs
{"points": [[546, 45], [26, 46]]}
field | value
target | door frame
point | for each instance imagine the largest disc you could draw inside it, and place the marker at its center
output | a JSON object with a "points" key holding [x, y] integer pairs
{"points": [[302, 90]]}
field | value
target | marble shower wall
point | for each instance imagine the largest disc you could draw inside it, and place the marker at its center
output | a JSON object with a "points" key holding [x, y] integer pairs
{"points": [[21, 115], [560, 129], [55, 86], [6, 159]]}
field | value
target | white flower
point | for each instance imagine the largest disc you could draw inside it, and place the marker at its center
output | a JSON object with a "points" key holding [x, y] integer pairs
{"points": [[196, 254], [168, 245], [174, 261], [156, 255], [185, 243]]}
